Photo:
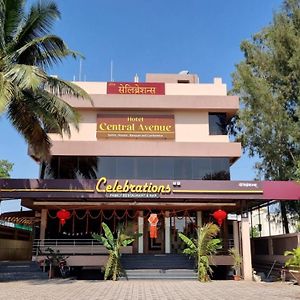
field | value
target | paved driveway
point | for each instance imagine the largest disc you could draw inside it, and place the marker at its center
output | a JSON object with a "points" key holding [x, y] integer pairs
{"points": [[149, 290]]}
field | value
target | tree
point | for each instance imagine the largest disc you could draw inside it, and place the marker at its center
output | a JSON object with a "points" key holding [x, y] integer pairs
{"points": [[5, 168], [113, 245], [202, 248], [30, 97], [268, 83]]}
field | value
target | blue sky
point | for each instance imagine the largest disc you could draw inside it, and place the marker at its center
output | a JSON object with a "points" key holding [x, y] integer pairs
{"points": [[148, 36]]}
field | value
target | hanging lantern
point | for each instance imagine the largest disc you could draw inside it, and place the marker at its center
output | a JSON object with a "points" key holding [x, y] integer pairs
{"points": [[63, 215], [220, 216], [153, 220]]}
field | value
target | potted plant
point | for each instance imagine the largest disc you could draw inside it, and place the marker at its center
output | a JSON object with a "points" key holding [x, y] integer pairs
{"points": [[202, 248], [113, 245], [53, 260], [237, 261], [293, 263]]}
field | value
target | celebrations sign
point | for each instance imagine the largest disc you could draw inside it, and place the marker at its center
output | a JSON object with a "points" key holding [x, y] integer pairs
{"points": [[136, 88], [134, 125]]}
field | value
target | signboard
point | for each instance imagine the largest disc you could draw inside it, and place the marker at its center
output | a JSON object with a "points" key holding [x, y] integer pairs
{"points": [[129, 190], [135, 125], [136, 88]]}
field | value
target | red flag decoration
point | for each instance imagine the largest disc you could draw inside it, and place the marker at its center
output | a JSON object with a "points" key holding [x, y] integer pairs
{"points": [[220, 216], [153, 220], [63, 215]]}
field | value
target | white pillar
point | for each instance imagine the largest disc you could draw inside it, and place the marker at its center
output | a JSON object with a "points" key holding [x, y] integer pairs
{"points": [[141, 232], [199, 219], [167, 234], [44, 215], [246, 249]]}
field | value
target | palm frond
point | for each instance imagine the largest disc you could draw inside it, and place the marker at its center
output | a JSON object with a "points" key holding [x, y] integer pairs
{"points": [[26, 77], [43, 51], [29, 125], [6, 93], [38, 22], [55, 113], [62, 87], [14, 13]]}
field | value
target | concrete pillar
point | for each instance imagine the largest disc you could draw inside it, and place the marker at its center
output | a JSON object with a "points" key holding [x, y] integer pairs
{"points": [[199, 219], [246, 249], [167, 234], [236, 240], [141, 231], [44, 215]]}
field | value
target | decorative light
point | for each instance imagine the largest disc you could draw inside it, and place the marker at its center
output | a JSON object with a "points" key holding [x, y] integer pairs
{"points": [[220, 216], [63, 215], [153, 220]]}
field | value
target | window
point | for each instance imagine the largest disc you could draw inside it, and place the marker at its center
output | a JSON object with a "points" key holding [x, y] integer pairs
{"points": [[169, 168], [217, 124]]}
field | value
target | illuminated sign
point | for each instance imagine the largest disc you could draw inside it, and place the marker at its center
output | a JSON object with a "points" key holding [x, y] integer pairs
{"points": [[135, 125], [135, 88], [129, 190]]}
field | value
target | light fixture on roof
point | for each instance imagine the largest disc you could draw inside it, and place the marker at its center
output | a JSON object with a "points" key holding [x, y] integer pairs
{"points": [[184, 72]]}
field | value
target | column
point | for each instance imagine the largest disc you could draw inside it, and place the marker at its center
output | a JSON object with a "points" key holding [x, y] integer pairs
{"points": [[141, 232], [167, 233], [246, 249], [44, 215], [199, 219], [236, 239]]}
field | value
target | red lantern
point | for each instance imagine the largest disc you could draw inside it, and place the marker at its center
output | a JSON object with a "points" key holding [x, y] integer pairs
{"points": [[153, 220], [63, 215], [220, 216]]}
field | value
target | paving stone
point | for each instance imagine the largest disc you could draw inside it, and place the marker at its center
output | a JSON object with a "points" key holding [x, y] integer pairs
{"points": [[146, 289]]}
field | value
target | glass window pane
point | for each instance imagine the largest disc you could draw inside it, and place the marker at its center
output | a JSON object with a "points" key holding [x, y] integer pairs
{"points": [[217, 124], [201, 168], [68, 166], [107, 167], [125, 168], [220, 168], [183, 168], [145, 168], [163, 168]]}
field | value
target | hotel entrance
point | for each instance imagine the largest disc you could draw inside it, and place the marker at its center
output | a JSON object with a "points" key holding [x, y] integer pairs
{"points": [[154, 245]]}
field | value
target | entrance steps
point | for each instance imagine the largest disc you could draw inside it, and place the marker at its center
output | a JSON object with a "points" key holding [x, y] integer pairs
{"points": [[158, 266], [20, 270]]}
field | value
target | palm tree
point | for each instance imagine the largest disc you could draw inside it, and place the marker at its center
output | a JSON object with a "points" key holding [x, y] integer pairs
{"points": [[30, 97], [202, 248]]}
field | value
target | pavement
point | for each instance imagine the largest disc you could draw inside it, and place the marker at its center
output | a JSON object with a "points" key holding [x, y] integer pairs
{"points": [[146, 289]]}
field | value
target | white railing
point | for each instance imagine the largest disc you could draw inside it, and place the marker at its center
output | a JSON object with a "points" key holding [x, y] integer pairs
{"points": [[68, 246], [71, 247]]}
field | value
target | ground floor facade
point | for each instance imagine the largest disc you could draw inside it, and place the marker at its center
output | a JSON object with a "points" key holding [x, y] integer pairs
{"points": [[179, 206]]}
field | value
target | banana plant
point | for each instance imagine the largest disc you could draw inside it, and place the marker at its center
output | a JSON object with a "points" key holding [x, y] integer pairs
{"points": [[113, 267], [201, 248]]}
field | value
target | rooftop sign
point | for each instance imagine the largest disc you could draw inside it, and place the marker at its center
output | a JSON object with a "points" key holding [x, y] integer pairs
{"points": [[135, 125], [136, 88]]}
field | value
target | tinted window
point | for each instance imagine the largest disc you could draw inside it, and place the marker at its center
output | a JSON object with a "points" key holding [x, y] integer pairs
{"points": [[179, 168], [125, 167], [217, 124], [164, 167], [144, 167]]}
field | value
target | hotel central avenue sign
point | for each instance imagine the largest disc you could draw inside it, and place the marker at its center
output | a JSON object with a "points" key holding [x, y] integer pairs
{"points": [[135, 125]]}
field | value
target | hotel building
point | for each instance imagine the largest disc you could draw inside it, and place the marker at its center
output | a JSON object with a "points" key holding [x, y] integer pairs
{"points": [[157, 147]]}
